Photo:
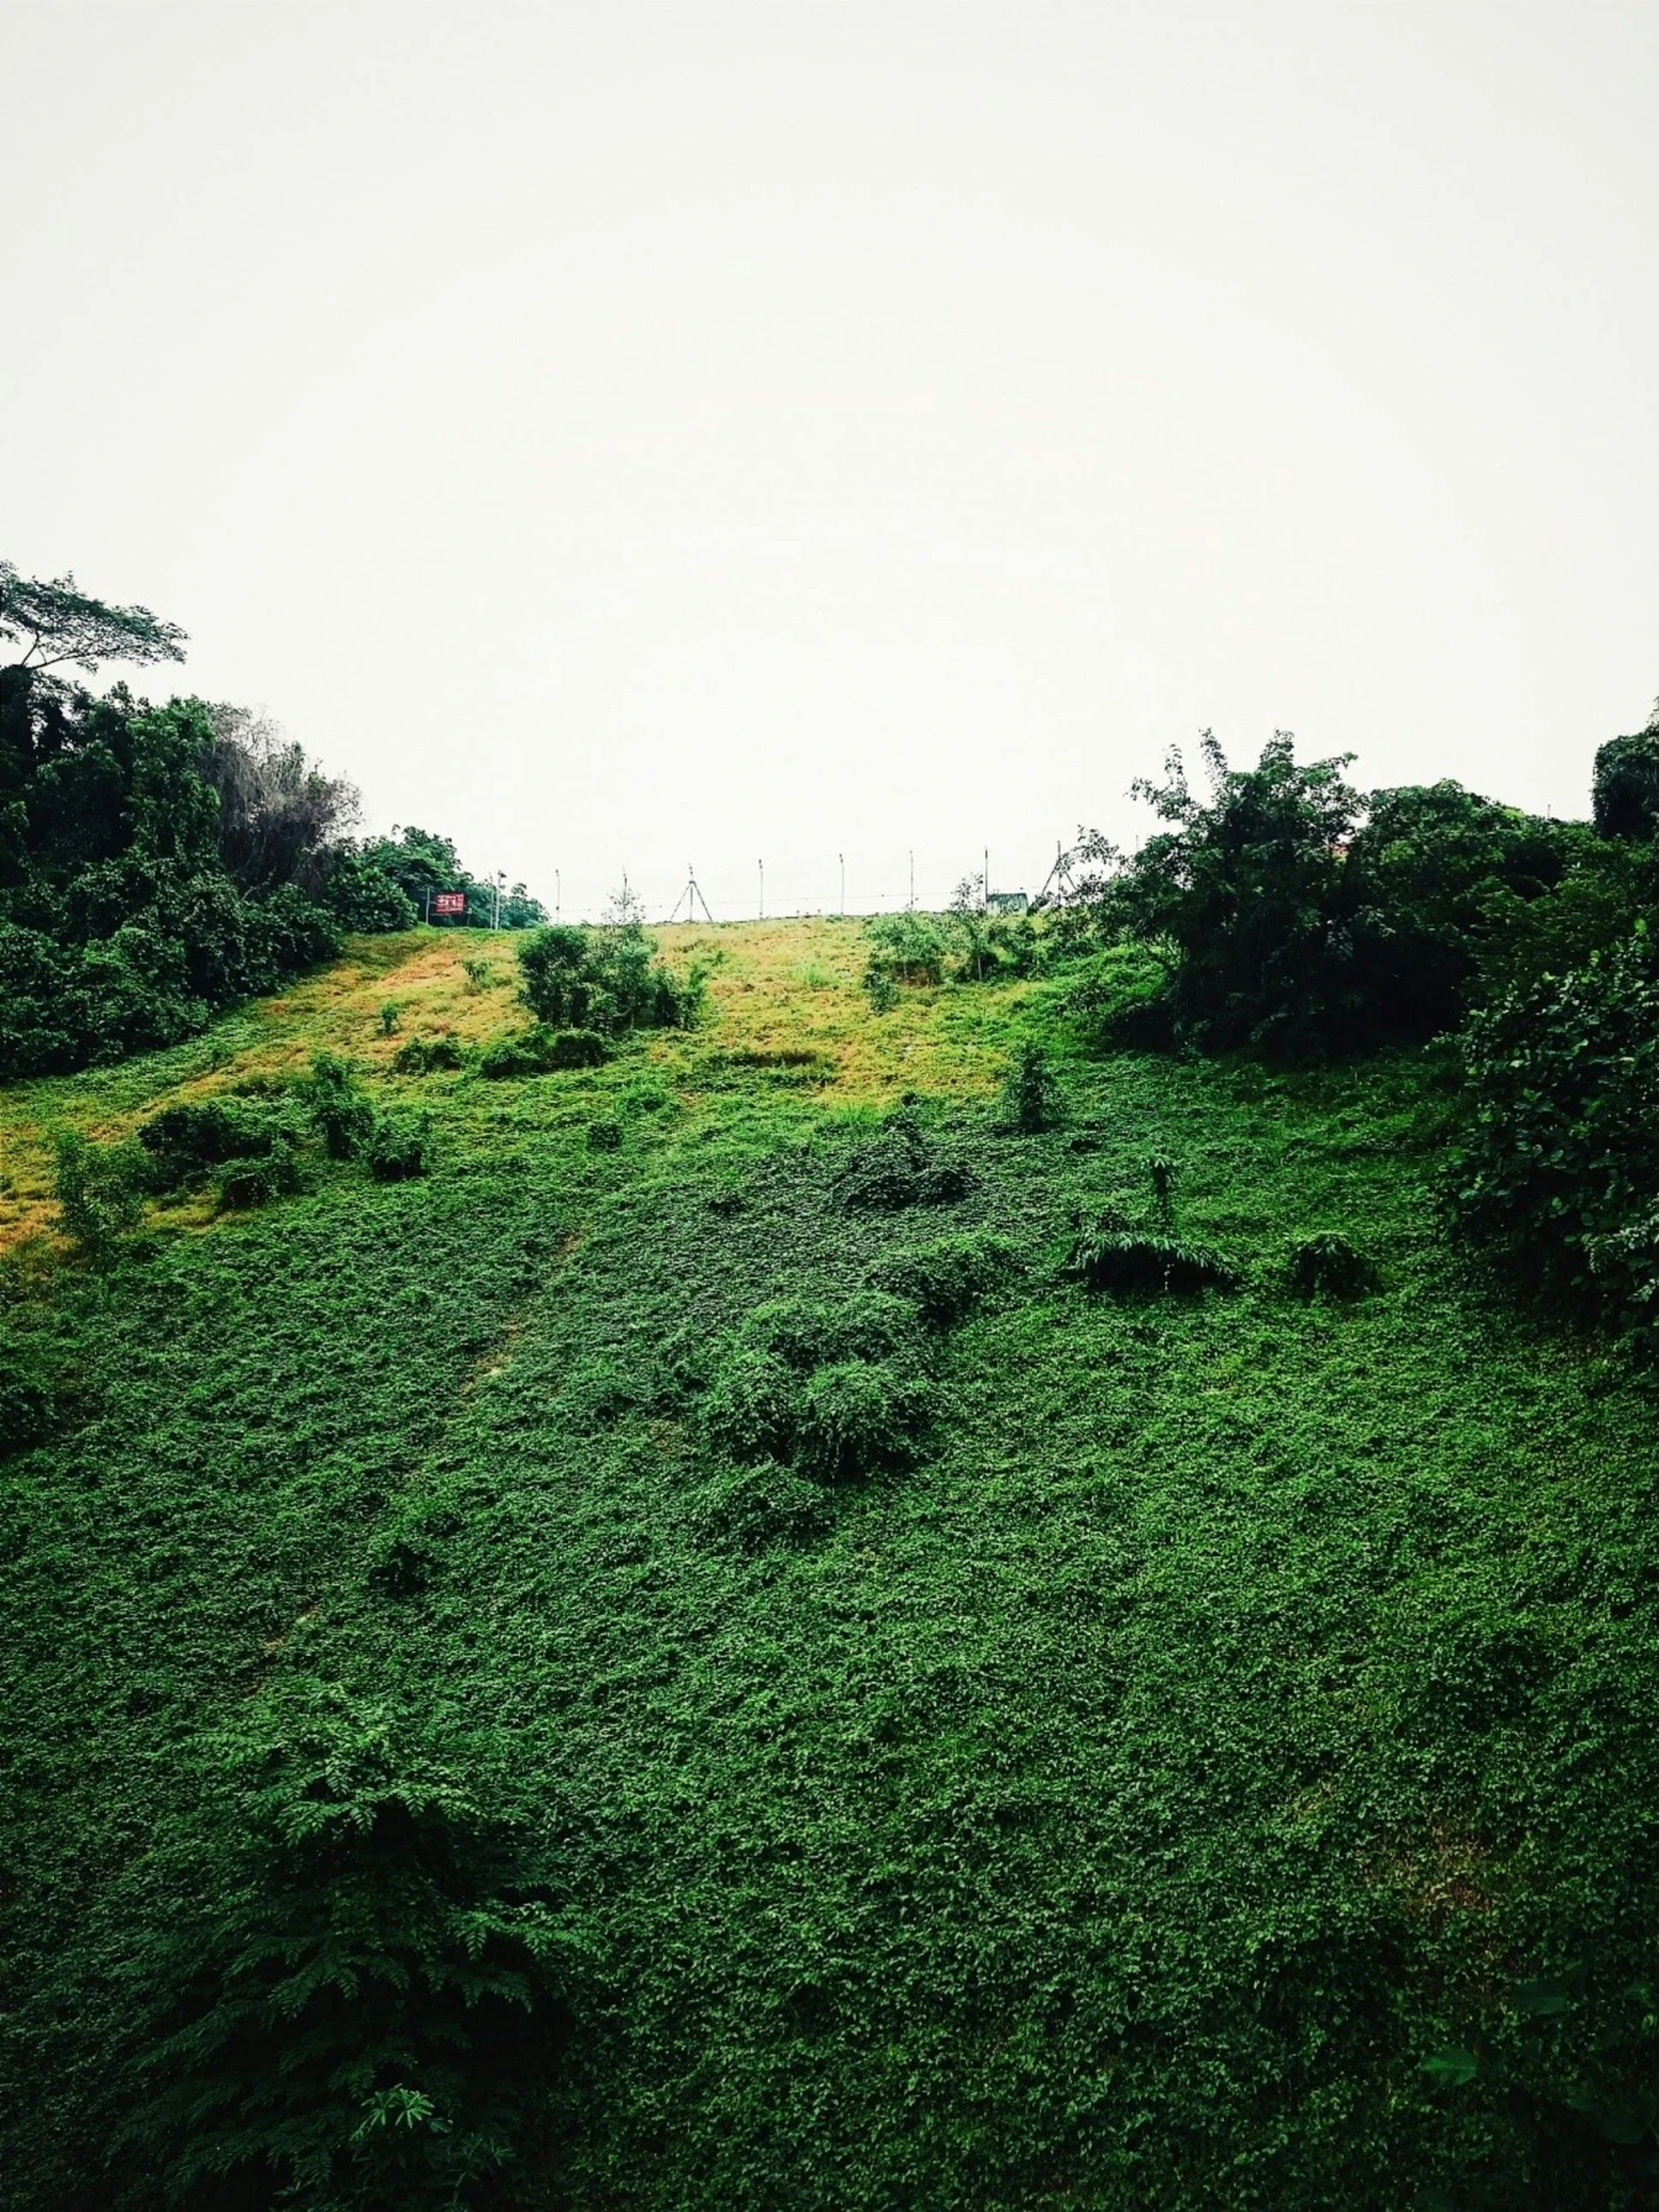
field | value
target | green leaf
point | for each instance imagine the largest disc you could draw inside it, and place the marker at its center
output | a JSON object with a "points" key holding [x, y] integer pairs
{"points": [[1452, 2067], [1549, 1993]]}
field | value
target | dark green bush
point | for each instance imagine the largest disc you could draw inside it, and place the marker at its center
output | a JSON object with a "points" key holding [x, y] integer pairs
{"points": [[246, 1184], [608, 980], [427, 1055], [365, 2016], [1030, 1095], [25, 1405], [751, 1408], [539, 1050], [339, 1107], [1298, 916], [186, 1142], [858, 1416], [1626, 787], [809, 1333], [1557, 1177], [400, 1148], [577, 1049], [904, 948], [1130, 1264], [362, 897], [946, 1279], [1328, 1265], [100, 1192], [605, 1135], [898, 1167], [518, 1054]]}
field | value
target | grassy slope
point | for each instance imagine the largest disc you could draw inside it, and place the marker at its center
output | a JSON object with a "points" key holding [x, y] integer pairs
{"points": [[1237, 1703]]}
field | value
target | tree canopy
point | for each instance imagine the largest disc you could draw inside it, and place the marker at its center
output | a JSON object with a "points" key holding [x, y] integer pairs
{"points": [[62, 623]]}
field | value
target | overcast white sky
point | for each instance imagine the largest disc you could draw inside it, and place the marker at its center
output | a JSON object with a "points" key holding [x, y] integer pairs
{"points": [[623, 435]]}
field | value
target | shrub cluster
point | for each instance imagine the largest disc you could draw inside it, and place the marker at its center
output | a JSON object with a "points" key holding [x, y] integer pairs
{"points": [[1291, 913], [540, 1051], [898, 1167], [1030, 1094], [990, 947], [605, 980], [427, 1055], [339, 1107], [250, 1147], [1134, 1264], [399, 1149], [834, 1389], [1557, 1175], [187, 1142], [904, 948], [946, 1279]]}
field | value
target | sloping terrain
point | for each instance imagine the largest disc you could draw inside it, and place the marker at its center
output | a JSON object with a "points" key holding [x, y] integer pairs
{"points": [[1210, 1762]]}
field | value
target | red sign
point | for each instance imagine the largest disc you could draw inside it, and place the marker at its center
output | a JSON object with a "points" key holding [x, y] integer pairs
{"points": [[449, 903]]}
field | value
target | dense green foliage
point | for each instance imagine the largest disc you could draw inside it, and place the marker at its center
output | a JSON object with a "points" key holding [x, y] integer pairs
{"points": [[1559, 1173], [1298, 916], [421, 864], [606, 980], [364, 2017], [1288, 914], [1204, 1757], [614, 1635], [128, 910], [159, 862], [1625, 791]]}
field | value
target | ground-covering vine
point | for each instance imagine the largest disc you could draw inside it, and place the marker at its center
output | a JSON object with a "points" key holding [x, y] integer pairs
{"points": [[1203, 1757]]}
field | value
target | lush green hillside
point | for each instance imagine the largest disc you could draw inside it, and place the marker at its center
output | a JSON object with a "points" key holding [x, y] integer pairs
{"points": [[1216, 1767]]}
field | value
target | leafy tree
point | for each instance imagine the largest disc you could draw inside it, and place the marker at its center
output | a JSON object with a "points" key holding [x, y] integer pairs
{"points": [[906, 948], [280, 815], [1293, 914], [360, 896], [1438, 882], [157, 863], [1246, 889], [62, 624], [365, 2014], [1626, 790], [422, 865]]}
